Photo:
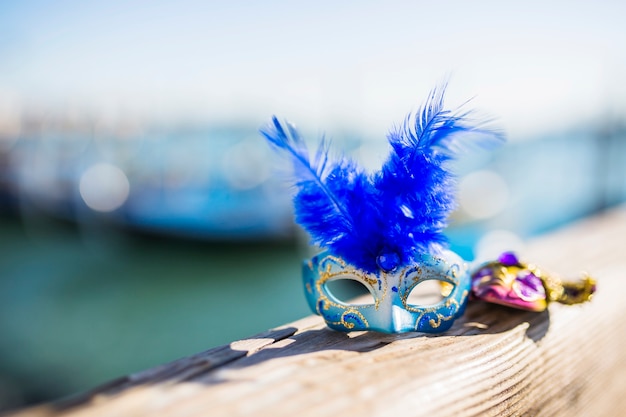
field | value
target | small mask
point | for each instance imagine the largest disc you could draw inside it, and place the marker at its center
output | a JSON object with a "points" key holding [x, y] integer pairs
{"points": [[512, 283]]}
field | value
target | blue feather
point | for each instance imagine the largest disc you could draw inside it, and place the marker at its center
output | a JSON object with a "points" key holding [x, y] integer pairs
{"points": [[385, 220], [324, 204], [415, 185], [446, 131], [309, 174]]}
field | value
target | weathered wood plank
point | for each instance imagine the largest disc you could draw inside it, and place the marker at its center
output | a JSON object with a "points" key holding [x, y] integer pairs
{"points": [[570, 360]]}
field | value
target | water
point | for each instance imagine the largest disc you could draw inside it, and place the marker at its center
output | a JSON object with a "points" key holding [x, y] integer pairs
{"points": [[79, 307]]}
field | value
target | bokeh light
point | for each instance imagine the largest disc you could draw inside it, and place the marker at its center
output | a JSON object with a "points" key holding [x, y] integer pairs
{"points": [[483, 194], [104, 187], [495, 242]]}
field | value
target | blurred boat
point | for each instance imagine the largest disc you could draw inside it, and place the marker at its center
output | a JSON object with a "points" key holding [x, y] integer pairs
{"points": [[204, 183]]}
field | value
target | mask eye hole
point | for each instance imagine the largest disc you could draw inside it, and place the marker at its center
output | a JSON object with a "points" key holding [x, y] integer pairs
{"points": [[429, 293], [349, 291]]}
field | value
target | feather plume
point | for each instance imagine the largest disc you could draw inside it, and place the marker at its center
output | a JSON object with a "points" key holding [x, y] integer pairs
{"points": [[415, 186], [384, 220]]}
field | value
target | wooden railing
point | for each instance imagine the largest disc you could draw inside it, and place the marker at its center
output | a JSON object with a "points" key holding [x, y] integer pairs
{"points": [[568, 361]]}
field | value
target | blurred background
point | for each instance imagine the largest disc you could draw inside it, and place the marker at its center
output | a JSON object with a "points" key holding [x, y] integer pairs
{"points": [[140, 216]]}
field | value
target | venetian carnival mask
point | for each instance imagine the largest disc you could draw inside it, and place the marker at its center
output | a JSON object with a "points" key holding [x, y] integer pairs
{"points": [[391, 309], [384, 229]]}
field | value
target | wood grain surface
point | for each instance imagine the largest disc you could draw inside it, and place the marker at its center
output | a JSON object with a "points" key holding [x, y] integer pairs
{"points": [[568, 361]]}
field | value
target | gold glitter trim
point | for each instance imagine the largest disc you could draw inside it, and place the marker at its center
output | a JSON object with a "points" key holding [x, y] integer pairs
{"points": [[326, 275]]}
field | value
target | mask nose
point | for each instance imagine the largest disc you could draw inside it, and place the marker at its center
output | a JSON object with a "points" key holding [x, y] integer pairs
{"points": [[401, 320]]}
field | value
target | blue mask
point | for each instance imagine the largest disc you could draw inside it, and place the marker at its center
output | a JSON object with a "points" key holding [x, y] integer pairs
{"points": [[390, 311], [384, 228]]}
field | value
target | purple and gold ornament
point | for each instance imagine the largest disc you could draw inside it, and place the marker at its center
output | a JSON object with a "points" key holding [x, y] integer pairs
{"points": [[510, 282]]}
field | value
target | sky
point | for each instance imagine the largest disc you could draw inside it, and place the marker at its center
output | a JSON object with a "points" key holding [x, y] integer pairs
{"points": [[535, 66]]}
